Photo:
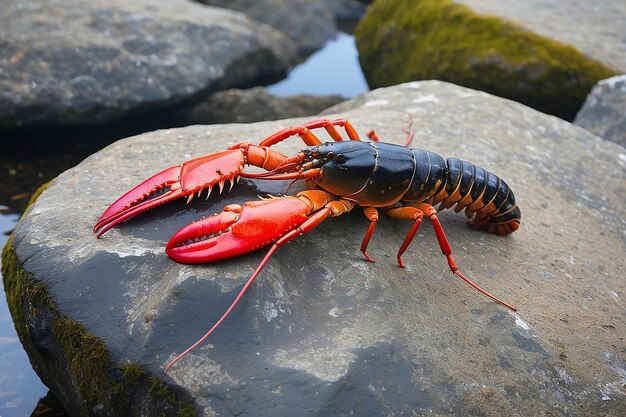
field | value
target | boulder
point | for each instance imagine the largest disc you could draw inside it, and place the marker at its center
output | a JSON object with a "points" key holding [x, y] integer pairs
{"points": [[309, 23], [254, 105], [81, 62], [604, 110], [403, 40], [321, 331]]}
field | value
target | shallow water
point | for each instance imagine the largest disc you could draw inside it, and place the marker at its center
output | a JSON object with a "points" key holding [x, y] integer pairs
{"points": [[21, 387], [23, 168], [333, 69]]}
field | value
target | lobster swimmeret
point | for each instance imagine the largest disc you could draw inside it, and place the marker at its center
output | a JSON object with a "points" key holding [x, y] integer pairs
{"points": [[402, 182]]}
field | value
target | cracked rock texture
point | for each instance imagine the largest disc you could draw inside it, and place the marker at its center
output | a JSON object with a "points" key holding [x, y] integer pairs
{"points": [[321, 331], [77, 62]]}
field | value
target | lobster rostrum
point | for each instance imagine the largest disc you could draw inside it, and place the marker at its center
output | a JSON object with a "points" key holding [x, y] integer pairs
{"points": [[402, 182]]}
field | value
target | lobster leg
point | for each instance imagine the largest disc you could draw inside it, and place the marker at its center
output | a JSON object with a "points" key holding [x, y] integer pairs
{"points": [[416, 214], [409, 131], [372, 215], [406, 213], [304, 131]]}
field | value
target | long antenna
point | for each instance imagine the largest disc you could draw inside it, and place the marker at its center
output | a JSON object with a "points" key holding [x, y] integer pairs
{"points": [[232, 306]]}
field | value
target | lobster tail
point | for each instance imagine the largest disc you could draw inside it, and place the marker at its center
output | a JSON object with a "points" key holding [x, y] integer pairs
{"points": [[488, 201]]}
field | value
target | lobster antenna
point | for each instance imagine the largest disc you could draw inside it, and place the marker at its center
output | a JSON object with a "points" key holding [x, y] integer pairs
{"points": [[232, 306]]}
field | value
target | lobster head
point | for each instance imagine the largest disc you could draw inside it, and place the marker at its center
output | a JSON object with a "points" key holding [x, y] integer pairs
{"points": [[341, 168]]}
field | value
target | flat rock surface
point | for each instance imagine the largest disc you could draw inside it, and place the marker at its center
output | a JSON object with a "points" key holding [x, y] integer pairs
{"points": [[604, 110], [322, 332], [596, 28], [78, 61]]}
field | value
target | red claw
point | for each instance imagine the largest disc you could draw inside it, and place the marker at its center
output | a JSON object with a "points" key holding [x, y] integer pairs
{"points": [[237, 230], [183, 180]]}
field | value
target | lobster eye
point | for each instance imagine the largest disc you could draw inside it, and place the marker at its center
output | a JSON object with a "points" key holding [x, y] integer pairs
{"points": [[330, 155], [339, 157]]}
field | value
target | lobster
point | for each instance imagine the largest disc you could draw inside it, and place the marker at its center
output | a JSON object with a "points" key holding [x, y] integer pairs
{"points": [[402, 182]]}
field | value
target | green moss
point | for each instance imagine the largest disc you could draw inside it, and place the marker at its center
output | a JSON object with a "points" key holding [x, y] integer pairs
{"points": [[133, 372], [85, 360], [404, 40], [186, 411], [158, 389]]}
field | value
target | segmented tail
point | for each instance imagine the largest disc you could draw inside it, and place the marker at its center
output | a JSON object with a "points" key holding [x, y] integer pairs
{"points": [[488, 201]]}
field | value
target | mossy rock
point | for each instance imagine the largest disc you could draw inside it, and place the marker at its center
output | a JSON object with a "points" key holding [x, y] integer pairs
{"points": [[404, 40], [64, 354]]}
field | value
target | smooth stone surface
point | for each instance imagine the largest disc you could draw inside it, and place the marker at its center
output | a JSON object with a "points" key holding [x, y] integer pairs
{"points": [[253, 105], [322, 332], [604, 110], [77, 61]]}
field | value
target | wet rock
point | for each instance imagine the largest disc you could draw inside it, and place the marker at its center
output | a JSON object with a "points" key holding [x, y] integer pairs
{"points": [[78, 62], [321, 331], [604, 110], [309, 23], [403, 40], [253, 105]]}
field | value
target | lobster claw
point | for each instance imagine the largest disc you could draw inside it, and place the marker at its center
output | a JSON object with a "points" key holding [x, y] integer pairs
{"points": [[178, 181], [237, 230]]}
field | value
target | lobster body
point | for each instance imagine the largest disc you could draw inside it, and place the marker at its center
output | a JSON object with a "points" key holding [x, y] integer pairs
{"points": [[377, 174], [401, 182]]}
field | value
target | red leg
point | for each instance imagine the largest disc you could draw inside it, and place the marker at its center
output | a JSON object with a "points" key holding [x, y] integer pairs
{"points": [[372, 215], [407, 213], [431, 212], [329, 125], [308, 137], [409, 131], [373, 136]]}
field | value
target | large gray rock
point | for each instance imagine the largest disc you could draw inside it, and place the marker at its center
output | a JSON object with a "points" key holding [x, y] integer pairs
{"points": [[322, 332], [604, 110], [78, 61], [254, 105], [309, 23]]}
